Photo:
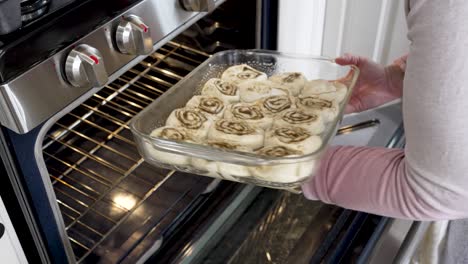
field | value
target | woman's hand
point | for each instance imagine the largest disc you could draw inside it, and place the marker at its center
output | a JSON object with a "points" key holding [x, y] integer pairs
{"points": [[376, 84]]}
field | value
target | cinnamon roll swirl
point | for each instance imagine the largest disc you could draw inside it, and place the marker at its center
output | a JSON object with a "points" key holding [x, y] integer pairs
{"points": [[295, 138], [255, 90], [192, 119], [229, 170], [250, 113], [282, 173], [274, 105], [211, 168], [295, 81], [236, 132], [210, 106], [278, 151], [171, 133], [241, 73], [327, 108], [225, 90], [312, 122], [328, 90]]}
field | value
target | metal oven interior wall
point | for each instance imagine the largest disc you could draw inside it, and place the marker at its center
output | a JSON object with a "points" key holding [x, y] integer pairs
{"points": [[230, 26], [113, 205]]}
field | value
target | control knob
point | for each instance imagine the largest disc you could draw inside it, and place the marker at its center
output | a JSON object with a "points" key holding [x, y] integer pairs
{"points": [[133, 36], [85, 66]]}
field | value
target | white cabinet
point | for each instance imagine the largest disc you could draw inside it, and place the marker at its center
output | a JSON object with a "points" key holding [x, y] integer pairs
{"points": [[375, 29], [11, 251]]}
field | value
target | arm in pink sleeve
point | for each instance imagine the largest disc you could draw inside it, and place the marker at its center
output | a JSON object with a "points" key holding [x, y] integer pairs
{"points": [[429, 179], [373, 180]]}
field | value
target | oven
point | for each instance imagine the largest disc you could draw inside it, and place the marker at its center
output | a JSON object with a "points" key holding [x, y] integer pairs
{"points": [[74, 188]]}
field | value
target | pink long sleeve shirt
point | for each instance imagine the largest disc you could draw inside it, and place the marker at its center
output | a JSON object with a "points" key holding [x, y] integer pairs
{"points": [[428, 180]]}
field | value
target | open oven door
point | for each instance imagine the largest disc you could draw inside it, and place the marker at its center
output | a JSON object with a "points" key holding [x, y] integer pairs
{"points": [[264, 225], [21, 240]]}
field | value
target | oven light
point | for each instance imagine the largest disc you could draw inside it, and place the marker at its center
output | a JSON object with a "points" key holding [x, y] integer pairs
{"points": [[125, 201], [268, 256]]}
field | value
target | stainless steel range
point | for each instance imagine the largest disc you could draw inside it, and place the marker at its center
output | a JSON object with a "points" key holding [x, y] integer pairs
{"points": [[75, 189], [69, 83]]}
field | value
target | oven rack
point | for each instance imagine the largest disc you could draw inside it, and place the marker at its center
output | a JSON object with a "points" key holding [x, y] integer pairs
{"points": [[114, 205]]}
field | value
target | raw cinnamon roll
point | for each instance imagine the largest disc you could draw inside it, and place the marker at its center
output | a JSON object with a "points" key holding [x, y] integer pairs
{"points": [[295, 81], [255, 90], [229, 170], [227, 146], [225, 90], [236, 132], [282, 173], [241, 73], [312, 122], [294, 138], [328, 90], [206, 167], [250, 113], [192, 119], [327, 108], [210, 106], [171, 133], [274, 105], [221, 169]]}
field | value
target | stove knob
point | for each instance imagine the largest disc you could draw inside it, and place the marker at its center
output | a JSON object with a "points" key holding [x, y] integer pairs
{"points": [[133, 36], [198, 5], [85, 66]]}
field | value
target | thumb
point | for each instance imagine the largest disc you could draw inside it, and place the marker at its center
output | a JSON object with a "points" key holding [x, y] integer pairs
{"points": [[349, 59]]}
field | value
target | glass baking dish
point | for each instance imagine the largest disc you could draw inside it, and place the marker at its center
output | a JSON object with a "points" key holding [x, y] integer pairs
{"points": [[274, 172]]}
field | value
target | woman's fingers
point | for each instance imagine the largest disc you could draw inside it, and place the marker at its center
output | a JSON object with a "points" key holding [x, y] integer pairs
{"points": [[350, 109], [354, 105], [401, 62]]}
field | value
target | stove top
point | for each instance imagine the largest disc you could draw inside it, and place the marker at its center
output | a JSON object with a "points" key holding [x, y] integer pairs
{"points": [[33, 9], [45, 36]]}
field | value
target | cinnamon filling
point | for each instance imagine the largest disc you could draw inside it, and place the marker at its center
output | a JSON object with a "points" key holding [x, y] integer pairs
{"points": [[211, 105], [226, 88], [278, 151], [248, 73], [276, 104], [172, 133], [299, 117], [292, 134], [190, 119], [315, 103], [234, 127], [247, 112], [291, 77]]}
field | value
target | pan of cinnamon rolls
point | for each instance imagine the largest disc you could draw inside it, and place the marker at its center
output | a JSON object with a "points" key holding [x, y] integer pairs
{"points": [[256, 117]]}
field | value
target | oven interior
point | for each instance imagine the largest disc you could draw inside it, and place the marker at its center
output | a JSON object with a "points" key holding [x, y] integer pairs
{"points": [[116, 207]]}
